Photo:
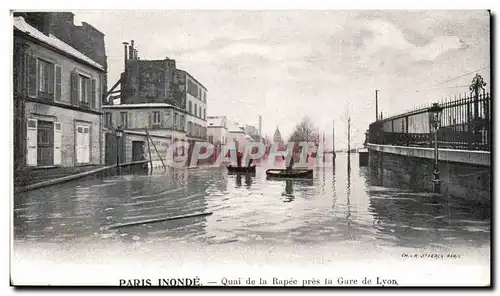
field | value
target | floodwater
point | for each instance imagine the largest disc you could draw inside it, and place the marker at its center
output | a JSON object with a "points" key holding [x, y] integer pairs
{"points": [[340, 204]]}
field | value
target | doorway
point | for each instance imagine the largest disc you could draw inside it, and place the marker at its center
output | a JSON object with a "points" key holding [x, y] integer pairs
{"points": [[45, 143], [82, 144], [137, 150]]}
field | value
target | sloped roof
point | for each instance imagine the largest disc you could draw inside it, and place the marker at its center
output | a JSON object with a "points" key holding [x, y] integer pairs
{"points": [[23, 26], [232, 127], [215, 121]]}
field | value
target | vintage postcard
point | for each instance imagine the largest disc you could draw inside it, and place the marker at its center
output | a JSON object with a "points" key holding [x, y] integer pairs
{"points": [[252, 148]]}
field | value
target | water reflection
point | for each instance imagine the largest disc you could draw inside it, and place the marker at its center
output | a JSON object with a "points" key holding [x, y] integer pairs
{"points": [[288, 194], [338, 204], [348, 193]]}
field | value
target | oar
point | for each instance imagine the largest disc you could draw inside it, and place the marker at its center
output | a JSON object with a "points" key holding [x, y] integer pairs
{"points": [[121, 225]]}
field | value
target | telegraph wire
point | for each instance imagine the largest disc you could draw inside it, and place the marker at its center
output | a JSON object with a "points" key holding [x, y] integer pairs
{"points": [[449, 80]]}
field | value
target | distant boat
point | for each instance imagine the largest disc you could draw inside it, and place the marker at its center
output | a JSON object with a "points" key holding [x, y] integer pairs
{"points": [[235, 169], [290, 174]]}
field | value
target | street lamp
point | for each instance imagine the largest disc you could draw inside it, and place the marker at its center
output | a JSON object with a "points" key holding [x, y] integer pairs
{"points": [[435, 120], [119, 134]]}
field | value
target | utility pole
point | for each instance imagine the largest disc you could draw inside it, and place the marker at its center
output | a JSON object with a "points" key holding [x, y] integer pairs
{"points": [[349, 136], [323, 150], [333, 137], [376, 105], [349, 148]]}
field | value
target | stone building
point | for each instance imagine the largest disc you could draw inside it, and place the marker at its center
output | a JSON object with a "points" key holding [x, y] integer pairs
{"points": [[155, 95], [196, 106], [59, 78]]}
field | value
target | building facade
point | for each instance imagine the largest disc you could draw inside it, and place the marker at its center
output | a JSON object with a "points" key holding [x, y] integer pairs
{"points": [[217, 129], [155, 95], [164, 123], [58, 87], [195, 105]]}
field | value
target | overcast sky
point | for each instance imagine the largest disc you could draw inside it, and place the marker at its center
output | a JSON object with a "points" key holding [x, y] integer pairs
{"points": [[287, 64]]}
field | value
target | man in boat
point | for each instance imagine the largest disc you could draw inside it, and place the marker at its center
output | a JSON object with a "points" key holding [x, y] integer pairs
{"points": [[290, 166], [239, 157]]}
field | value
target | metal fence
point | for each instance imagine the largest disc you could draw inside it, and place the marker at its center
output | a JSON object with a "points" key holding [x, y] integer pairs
{"points": [[466, 123]]}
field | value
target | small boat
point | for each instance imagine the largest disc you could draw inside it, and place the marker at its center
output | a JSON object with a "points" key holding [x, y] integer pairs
{"points": [[233, 169], [291, 174]]}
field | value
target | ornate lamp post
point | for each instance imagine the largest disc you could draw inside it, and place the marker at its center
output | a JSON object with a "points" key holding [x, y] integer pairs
{"points": [[119, 134], [435, 120]]}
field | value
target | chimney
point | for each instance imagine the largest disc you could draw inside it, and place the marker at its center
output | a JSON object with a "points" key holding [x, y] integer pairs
{"points": [[136, 54], [125, 45], [131, 50], [47, 20]]}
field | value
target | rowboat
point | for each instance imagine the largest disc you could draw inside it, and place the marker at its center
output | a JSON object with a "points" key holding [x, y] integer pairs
{"points": [[289, 174], [233, 169]]}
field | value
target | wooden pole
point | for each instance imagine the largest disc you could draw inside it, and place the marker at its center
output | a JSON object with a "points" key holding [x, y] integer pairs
{"points": [[154, 146], [122, 225], [149, 150]]}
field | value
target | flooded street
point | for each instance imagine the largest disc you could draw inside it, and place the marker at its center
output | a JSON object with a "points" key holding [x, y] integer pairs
{"points": [[334, 207]]}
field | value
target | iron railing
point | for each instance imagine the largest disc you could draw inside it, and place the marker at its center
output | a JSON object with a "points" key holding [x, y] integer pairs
{"points": [[466, 124]]}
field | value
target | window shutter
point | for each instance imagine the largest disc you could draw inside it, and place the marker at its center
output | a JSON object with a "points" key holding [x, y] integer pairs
{"points": [[31, 141], [93, 94], [75, 88], [57, 143], [57, 86], [50, 73], [88, 92], [32, 81]]}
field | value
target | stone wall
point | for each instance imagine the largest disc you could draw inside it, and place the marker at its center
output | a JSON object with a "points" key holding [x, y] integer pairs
{"points": [[151, 81], [464, 181]]}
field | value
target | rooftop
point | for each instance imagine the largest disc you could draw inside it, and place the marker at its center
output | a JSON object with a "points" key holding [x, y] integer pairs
{"points": [[21, 25], [233, 127], [216, 120], [192, 77]]}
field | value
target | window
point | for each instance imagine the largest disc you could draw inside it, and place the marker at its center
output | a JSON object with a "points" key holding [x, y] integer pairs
{"points": [[204, 114], [45, 77], [176, 119], [124, 119], [183, 123], [211, 139], [199, 111], [156, 118], [109, 119], [204, 97], [190, 107], [192, 89], [190, 128], [85, 91], [195, 109]]}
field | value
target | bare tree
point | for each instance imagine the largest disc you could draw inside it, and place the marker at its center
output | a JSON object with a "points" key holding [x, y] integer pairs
{"points": [[304, 132]]}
